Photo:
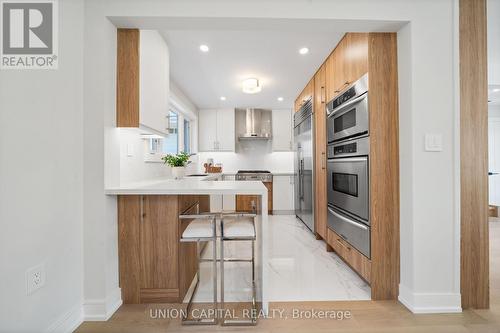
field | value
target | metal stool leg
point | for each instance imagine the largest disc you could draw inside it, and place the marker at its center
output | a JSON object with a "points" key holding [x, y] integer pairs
{"points": [[254, 304], [203, 321], [236, 322], [214, 267], [222, 304]]}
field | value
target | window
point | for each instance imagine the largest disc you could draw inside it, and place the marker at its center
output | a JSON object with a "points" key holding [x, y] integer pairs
{"points": [[187, 136], [178, 137], [171, 141]]}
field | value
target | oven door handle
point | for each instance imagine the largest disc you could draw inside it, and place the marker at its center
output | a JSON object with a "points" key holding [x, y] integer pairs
{"points": [[341, 107], [356, 224], [347, 160]]}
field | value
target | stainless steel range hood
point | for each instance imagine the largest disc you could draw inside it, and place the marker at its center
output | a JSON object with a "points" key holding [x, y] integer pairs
{"points": [[257, 124]]}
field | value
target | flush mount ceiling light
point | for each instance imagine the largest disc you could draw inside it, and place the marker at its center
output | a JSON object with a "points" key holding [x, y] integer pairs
{"points": [[204, 48], [304, 50], [280, 99], [223, 98], [251, 86]]}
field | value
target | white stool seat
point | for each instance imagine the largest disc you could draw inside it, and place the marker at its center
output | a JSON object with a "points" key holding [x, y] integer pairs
{"points": [[238, 227], [199, 228]]}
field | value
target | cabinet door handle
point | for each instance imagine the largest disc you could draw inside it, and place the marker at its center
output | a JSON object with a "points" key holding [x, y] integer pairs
{"points": [[323, 160], [143, 215], [343, 245], [322, 95], [346, 83]]}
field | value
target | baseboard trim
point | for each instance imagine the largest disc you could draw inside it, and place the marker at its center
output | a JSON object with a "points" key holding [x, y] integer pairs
{"points": [[68, 322], [283, 212], [429, 302], [102, 309]]}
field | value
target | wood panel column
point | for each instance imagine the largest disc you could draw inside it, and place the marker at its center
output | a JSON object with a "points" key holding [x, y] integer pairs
{"points": [[474, 259]]}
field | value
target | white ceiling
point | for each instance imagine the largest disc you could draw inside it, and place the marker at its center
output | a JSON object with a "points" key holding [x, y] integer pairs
{"points": [[245, 47], [270, 55]]}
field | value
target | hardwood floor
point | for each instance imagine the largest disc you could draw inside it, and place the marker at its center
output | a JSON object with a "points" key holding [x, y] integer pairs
{"points": [[366, 316]]}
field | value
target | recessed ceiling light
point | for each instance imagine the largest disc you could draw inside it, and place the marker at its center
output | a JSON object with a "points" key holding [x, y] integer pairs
{"points": [[496, 90], [304, 50], [204, 48], [280, 99], [251, 86], [223, 98]]}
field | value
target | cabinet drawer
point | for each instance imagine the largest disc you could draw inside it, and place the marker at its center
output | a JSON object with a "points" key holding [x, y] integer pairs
{"points": [[358, 262]]}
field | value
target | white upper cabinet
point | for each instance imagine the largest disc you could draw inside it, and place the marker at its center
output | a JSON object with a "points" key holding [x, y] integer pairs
{"points": [[207, 130], [216, 130], [154, 81], [282, 130], [225, 130]]}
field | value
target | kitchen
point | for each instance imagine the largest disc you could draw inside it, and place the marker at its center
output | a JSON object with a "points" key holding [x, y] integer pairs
{"points": [[322, 216], [64, 262]]}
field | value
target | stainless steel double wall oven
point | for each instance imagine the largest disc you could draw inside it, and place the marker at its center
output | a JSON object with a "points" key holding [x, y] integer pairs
{"points": [[348, 165]]}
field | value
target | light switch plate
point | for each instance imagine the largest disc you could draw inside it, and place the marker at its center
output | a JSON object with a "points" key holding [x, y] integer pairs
{"points": [[433, 142]]}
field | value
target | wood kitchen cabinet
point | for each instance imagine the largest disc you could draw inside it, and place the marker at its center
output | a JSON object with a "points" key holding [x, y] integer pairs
{"points": [[154, 266], [355, 55], [306, 94], [320, 202], [347, 63], [216, 130], [142, 81], [335, 72], [350, 255], [251, 203]]}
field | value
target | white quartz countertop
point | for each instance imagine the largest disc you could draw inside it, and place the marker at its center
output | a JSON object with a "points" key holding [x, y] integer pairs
{"points": [[189, 186]]}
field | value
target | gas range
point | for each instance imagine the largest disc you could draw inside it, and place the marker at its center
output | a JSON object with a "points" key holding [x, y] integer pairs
{"points": [[259, 175]]}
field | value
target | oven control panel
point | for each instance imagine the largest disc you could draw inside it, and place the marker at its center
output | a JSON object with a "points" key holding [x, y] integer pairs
{"points": [[345, 149], [356, 147]]}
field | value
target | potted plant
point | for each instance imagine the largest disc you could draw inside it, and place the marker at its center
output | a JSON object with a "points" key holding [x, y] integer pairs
{"points": [[178, 163]]}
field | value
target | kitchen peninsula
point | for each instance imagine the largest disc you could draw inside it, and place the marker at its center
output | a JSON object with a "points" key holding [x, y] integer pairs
{"points": [[154, 266]]}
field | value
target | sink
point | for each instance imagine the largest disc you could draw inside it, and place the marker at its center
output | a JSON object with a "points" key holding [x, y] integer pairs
{"points": [[198, 175]]}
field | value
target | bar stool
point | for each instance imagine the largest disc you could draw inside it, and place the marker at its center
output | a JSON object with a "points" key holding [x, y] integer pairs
{"points": [[238, 227], [202, 228]]}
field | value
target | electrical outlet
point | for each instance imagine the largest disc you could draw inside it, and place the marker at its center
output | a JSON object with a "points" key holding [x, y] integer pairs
{"points": [[35, 278]]}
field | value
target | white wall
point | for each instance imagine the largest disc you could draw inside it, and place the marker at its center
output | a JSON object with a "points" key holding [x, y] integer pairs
{"points": [[429, 205], [232, 162], [41, 173], [494, 111], [132, 165], [494, 42]]}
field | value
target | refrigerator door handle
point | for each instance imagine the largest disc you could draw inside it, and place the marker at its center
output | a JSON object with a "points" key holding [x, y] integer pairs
{"points": [[301, 179]]}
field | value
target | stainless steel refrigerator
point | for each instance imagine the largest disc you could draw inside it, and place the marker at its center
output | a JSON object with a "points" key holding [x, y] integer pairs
{"points": [[303, 123]]}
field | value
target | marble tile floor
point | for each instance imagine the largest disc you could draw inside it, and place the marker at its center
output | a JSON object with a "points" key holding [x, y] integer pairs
{"points": [[299, 268]]}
